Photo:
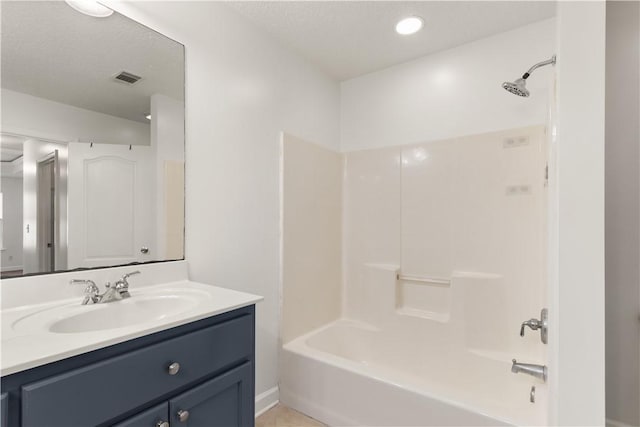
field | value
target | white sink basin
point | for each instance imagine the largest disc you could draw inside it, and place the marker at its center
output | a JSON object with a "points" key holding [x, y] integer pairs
{"points": [[139, 308]]}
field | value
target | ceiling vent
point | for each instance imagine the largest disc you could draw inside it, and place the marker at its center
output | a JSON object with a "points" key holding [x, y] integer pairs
{"points": [[127, 78]]}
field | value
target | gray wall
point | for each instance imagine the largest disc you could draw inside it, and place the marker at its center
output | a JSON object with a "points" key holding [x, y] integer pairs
{"points": [[622, 212]]}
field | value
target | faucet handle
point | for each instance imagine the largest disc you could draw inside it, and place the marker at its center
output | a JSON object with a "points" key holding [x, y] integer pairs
{"points": [[126, 276], [122, 283], [536, 324], [91, 292], [91, 285]]}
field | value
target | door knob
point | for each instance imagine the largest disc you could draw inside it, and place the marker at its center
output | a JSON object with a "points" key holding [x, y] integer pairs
{"points": [[144, 250], [183, 415], [162, 424]]}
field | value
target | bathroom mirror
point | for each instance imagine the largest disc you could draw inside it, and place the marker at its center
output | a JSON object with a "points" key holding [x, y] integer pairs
{"points": [[92, 141]]}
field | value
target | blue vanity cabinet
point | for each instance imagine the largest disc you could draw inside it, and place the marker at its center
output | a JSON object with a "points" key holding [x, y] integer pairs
{"points": [[158, 416], [205, 367], [4, 409], [220, 402]]}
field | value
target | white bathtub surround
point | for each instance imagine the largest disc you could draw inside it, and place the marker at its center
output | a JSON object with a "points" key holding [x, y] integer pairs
{"points": [[31, 305], [473, 205], [444, 249], [312, 236]]}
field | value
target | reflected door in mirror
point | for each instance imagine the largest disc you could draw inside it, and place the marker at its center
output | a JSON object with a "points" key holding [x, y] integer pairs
{"points": [[111, 200]]}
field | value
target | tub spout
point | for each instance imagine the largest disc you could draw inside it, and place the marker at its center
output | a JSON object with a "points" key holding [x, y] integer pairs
{"points": [[538, 371]]}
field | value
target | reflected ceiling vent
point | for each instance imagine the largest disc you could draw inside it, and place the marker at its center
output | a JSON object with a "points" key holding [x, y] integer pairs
{"points": [[125, 77]]}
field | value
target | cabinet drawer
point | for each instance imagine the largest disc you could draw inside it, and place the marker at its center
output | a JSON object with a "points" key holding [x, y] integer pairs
{"points": [[96, 393], [153, 417]]}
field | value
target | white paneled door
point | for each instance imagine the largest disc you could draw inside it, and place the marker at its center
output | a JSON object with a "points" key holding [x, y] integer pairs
{"points": [[111, 205]]}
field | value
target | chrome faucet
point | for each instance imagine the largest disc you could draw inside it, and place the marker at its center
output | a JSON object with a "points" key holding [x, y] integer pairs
{"points": [[91, 292], [538, 371], [115, 292]]}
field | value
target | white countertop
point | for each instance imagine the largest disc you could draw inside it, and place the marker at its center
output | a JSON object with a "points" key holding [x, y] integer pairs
{"points": [[31, 345]]}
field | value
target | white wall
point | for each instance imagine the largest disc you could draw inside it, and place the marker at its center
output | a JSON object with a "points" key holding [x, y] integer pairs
{"points": [[35, 117], [452, 93], [576, 309], [242, 90], [622, 212], [11, 189]]}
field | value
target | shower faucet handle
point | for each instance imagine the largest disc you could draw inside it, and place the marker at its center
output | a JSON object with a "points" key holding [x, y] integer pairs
{"points": [[536, 324]]}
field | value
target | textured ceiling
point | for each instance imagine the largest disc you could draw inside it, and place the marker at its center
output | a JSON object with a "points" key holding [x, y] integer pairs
{"points": [[51, 51], [350, 38]]}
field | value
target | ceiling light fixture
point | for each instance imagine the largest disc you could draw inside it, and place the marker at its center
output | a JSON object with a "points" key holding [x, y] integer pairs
{"points": [[410, 25], [90, 7]]}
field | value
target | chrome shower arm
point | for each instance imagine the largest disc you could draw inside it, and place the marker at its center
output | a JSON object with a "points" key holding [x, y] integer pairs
{"points": [[550, 61]]}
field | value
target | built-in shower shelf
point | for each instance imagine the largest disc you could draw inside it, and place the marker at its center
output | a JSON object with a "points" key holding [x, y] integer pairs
{"points": [[424, 297], [423, 314], [424, 279]]}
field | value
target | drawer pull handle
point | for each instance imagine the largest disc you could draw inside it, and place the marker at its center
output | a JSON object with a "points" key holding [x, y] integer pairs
{"points": [[183, 415], [174, 368], [162, 424]]}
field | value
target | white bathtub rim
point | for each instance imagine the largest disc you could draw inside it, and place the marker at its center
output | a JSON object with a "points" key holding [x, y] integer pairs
{"points": [[300, 347]]}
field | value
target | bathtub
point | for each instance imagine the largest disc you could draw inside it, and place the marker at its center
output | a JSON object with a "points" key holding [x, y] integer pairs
{"points": [[352, 373]]}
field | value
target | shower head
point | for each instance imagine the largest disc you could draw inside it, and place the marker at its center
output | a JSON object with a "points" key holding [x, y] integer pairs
{"points": [[519, 87]]}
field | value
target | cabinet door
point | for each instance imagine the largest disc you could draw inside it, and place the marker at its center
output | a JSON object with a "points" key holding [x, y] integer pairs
{"points": [[4, 410], [225, 401], [153, 417]]}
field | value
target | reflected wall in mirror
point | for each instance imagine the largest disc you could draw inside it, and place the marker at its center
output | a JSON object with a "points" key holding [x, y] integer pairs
{"points": [[92, 141]]}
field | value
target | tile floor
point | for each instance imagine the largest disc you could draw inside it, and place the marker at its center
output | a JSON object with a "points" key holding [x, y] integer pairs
{"points": [[281, 416]]}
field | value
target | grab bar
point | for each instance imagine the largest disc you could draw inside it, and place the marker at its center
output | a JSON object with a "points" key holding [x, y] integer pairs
{"points": [[423, 279]]}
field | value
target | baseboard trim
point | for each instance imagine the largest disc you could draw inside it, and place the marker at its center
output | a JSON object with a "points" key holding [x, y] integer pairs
{"points": [[614, 423], [10, 268], [311, 409], [266, 400]]}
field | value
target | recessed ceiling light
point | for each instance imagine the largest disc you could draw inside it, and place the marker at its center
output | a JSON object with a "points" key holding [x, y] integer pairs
{"points": [[410, 25], [90, 7]]}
